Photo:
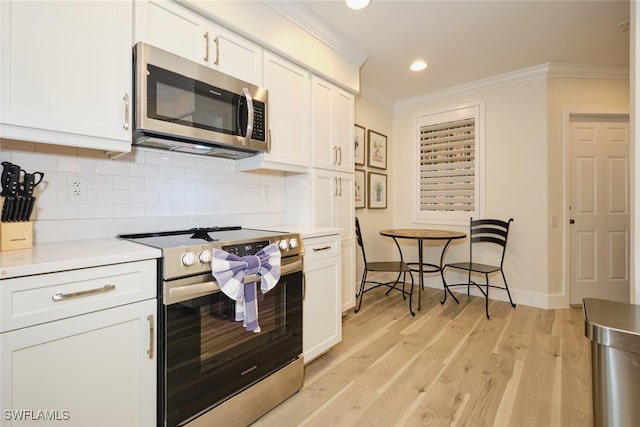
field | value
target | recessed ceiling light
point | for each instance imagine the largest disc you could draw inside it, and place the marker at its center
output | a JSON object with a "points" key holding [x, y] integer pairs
{"points": [[357, 4], [418, 66]]}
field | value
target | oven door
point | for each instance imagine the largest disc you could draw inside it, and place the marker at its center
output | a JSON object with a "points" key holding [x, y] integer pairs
{"points": [[209, 357]]}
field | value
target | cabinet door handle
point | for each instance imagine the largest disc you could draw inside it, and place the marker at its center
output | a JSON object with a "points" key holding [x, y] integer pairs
{"points": [[323, 248], [340, 186], [125, 98], [269, 142], [340, 158], [335, 155], [206, 46], [304, 287], [217, 42], [152, 336], [335, 186], [65, 296]]}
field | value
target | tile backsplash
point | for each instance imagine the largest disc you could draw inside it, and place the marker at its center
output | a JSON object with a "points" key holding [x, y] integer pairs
{"points": [[85, 194]]}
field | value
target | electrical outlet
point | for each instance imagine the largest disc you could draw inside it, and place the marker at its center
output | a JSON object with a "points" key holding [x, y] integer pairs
{"points": [[77, 188]]}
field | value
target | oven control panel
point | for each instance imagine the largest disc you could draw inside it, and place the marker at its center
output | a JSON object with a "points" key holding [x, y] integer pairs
{"points": [[244, 249], [183, 261]]}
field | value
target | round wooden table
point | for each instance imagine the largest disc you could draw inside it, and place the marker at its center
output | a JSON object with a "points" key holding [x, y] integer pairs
{"points": [[422, 234]]}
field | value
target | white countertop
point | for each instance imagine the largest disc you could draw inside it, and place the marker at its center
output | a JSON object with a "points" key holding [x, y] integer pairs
{"points": [[59, 256], [306, 231]]}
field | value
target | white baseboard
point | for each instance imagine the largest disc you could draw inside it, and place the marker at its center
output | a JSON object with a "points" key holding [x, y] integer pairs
{"points": [[519, 296]]}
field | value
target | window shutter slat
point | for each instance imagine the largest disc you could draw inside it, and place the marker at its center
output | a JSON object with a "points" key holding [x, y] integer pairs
{"points": [[447, 166]]}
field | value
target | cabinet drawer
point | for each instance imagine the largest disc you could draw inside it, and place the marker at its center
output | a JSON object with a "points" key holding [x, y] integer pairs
{"points": [[321, 247], [31, 300]]}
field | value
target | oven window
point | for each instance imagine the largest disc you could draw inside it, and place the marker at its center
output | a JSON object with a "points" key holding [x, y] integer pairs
{"points": [[178, 99], [209, 356], [219, 330]]}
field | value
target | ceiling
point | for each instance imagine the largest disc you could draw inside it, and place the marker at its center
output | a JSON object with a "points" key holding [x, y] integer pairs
{"points": [[469, 40]]}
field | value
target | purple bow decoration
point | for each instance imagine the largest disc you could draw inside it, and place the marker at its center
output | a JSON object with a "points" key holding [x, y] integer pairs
{"points": [[230, 271]]}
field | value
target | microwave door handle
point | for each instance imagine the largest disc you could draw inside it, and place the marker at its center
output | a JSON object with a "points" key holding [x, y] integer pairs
{"points": [[247, 137]]}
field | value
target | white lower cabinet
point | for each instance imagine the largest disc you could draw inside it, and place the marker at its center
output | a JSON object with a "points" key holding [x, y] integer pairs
{"points": [[97, 369], [78, 347], [322, 314]]}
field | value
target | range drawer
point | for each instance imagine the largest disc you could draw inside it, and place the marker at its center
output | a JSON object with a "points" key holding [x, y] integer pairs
{"points": [[321, 247], [31, 300]]}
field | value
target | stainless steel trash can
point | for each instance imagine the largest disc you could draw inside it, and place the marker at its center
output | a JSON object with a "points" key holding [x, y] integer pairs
{"points": [[614, 331]]}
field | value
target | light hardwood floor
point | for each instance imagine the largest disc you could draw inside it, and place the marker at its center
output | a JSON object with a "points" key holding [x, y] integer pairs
{"points": [[447, 366]]}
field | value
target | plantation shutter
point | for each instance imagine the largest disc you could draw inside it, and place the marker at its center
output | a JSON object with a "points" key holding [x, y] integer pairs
{"points": [[448, 166]]}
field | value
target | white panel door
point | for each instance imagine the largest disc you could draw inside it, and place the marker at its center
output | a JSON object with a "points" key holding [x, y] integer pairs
{"points": [[599, 209]]}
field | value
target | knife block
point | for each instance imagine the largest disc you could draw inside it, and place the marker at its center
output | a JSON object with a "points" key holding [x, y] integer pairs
{"points": [[16, 235]]}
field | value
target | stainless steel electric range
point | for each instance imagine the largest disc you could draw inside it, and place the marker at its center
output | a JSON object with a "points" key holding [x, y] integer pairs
{"points": [[212, 371]]}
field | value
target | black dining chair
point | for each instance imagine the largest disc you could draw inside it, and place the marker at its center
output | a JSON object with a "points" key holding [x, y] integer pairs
{"points": [[485, 234], [399, 267]]}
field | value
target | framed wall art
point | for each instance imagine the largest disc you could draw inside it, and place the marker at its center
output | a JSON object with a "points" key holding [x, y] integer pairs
{"points": [[360, 190], [377, 190], [359, 145], [377, 150]]}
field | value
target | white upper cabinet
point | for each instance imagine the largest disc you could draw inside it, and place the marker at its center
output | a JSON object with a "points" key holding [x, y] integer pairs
{"points": [[171, 27], [332, 126], [334, 201], [234, 55], [166, 25], [289, 111], [65, 73]]}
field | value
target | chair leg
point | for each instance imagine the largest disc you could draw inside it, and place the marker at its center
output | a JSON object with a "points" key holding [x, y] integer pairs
{"points": [[507, 288], [404, 282], [410, 297], [394, 286], [361, 293], [446, 289], [486, 296]]}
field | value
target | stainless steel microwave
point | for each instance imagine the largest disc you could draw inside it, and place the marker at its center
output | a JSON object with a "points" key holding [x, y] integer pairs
{"points": [[184, 106]]}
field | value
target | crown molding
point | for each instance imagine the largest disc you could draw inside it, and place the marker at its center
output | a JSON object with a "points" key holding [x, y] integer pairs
{"points": [[531, 73], [589, 71], [301, 15], [555, 70]]}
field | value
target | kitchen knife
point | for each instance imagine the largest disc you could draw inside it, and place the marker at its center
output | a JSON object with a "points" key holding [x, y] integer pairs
{"points": [[31, 180], [6, 168], [10, 179]]}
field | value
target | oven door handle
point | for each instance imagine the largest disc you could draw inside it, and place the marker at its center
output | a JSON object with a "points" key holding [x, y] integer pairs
{"points": [[291, 267], [182, 293], [191, 291]]}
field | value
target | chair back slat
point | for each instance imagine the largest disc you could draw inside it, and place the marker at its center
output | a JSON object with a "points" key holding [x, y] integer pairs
{"points": [[493, 231], [359, 240], [489, 239]]}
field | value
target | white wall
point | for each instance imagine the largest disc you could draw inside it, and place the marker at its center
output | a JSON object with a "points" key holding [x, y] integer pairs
{"points": [[524, 169], [635, 153], [377, 117], [572, 95], [146, 190], [515, 176]]}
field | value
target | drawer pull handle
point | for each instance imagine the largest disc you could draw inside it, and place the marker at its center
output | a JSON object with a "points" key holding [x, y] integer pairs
{"points": [[62, 296], [323, 248], [152, 335]]}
